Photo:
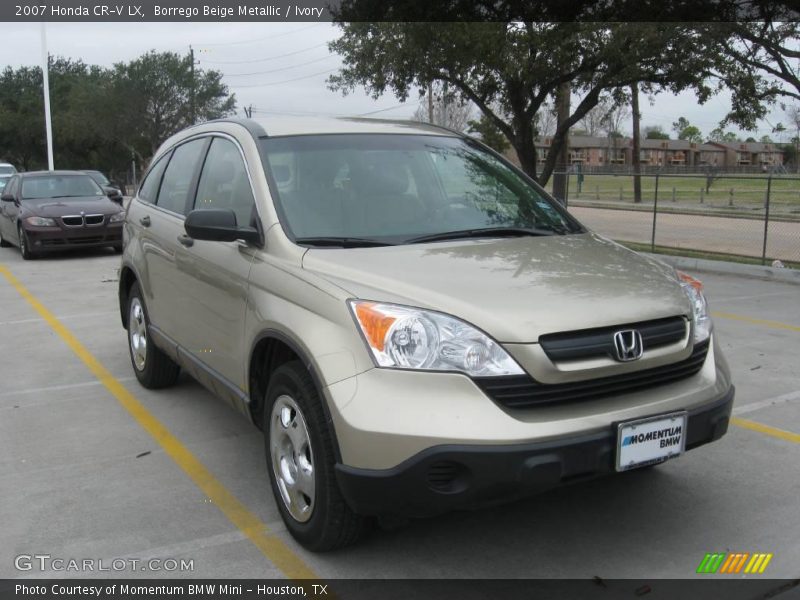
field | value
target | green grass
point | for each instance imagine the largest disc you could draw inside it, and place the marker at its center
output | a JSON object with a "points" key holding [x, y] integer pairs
{"points": [[737, 258], [749, 191]]}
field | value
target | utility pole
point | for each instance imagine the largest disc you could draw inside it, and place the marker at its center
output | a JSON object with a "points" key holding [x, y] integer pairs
{"points": [[248, 111], [192, 108], [636, 158], [48, 125]]}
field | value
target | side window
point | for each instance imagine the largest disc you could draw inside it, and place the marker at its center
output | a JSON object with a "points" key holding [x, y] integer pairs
{"points": [[224, 182], [178, 176], [149, 188]]}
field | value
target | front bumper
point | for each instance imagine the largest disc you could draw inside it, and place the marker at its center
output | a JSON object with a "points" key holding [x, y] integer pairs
{"points": [[48, 239], [466, 476]]}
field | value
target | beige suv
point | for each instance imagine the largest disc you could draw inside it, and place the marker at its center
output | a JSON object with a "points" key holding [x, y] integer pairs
{"points": [[414, 323]]}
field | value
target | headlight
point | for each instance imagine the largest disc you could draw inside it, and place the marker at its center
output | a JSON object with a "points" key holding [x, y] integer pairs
{"points": [[40, 221], [120, 216], [412, 338], [700, 317]]}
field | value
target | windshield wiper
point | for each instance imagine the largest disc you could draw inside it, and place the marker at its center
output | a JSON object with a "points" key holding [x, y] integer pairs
{"points": [[342, 242], [478, 233]]}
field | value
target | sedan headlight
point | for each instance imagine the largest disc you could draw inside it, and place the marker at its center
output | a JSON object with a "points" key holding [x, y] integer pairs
{"points": [[117, 218], [412, 338], [40, 221], [700, 317]]}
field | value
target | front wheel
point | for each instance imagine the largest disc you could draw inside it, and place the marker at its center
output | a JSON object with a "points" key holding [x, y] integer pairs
{"points": [[300, 461], [152, 367], [24, 244]]}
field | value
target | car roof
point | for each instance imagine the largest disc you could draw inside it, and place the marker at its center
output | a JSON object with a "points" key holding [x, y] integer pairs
{"points": [[45, 173], [283, 126]]}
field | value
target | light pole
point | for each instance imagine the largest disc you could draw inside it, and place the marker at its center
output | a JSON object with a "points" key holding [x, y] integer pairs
{"points": [[46, 79]]}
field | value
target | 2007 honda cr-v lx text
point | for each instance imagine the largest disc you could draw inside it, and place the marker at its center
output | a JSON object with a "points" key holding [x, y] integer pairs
{"points": [[413, 322]]}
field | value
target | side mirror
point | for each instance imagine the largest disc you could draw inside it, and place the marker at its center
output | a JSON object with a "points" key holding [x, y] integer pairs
{"points": [[218, 225], [113, 194], [7, 198]]}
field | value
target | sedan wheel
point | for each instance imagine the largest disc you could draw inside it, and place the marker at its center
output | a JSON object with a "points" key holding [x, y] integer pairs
{"points": [[24, 247]]}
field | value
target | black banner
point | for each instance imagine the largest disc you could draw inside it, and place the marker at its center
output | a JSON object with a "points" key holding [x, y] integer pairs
{"points": [[704, 588], [396, 10]]}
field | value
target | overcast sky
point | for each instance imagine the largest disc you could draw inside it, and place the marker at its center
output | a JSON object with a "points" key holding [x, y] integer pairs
{"points": [[279, 68]]}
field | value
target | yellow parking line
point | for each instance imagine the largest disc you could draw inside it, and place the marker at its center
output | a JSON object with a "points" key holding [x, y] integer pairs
{"points": [[256, 530], [762, 322], [766, 429]]}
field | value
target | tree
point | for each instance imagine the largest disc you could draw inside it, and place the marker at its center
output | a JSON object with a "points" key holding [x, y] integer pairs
{"points": [[22, 137], [686, 131], [595, 120], [655, 132], [155, 94], [448, 111], [517, 66], [718, 134], [102, 116], [760, 62], [765, 139], [489, 134]]}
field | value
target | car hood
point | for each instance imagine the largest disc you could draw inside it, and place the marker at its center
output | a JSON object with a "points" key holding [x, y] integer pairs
{"points": [[56, 207], [514, 289]]}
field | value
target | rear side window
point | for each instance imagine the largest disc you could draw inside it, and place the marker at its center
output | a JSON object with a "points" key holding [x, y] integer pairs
{"points": [[224, 182], [178, 176], [149, 188]]}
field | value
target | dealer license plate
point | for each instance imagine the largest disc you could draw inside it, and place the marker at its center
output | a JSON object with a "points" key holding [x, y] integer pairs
{"points": [[649, 441]]}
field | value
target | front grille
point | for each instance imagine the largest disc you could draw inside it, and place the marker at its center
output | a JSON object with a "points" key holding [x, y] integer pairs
{"points": [[599, 342], [522, 391], [94, 219], [72, 220]]}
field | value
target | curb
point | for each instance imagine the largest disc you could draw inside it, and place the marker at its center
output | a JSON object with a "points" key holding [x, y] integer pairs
{"points": [[729, 268]]}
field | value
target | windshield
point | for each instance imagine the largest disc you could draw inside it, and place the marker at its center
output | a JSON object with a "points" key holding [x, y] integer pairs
{"points": [[59, 186], [396, 188], [7, 170], [98, 177]]}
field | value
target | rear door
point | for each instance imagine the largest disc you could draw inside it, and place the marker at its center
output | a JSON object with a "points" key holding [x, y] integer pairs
{"points": [[8, 212], [158, 214], [214, 275]]}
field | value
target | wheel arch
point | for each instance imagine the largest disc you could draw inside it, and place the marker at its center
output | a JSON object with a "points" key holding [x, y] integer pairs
{"points": [[272, 348], [127, 277]]}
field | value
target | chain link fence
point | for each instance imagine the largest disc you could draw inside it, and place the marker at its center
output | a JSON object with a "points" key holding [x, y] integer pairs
{"points": [[751, 216]]}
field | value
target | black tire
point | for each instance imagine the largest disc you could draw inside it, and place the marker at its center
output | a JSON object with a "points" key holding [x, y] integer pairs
{"points": [[24, 245], [3, 242], [156, 369], [117, 249], [332, 523]]}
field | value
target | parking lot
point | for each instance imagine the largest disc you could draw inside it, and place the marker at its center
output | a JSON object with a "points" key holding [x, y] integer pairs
{"points": [[96, 467]]}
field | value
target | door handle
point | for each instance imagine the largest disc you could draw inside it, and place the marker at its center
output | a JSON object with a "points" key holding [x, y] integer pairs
{"points": [[145, 221], [185, 240]]}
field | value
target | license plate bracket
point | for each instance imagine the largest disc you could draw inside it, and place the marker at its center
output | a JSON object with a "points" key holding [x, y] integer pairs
{"points": [[653, 440]]}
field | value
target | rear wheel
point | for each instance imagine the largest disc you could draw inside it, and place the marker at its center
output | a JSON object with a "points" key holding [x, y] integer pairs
{"points": [[3, 242], [152, 367], [300, 461], [24, 244]]}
